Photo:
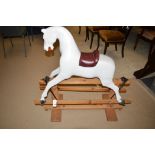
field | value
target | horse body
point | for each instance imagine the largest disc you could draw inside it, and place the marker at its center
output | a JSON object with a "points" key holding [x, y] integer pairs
{"points": [[91, 72], [69, 62]]}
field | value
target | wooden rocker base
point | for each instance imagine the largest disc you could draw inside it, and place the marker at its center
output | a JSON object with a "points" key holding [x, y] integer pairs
{"points": [[108, 102]]}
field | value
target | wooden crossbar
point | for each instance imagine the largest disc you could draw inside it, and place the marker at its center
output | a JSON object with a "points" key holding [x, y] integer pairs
{"points": [[84, 89], [83, 107], [82, 102], [87, 89], [84, 81]]}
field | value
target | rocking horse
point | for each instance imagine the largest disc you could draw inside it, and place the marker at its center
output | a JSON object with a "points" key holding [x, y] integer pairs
{"points": [[75, 63]]}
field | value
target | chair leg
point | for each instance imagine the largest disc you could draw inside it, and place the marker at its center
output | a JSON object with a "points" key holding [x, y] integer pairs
{"points": [[11, 42], [137, 39], [31, 32], [4, 48], [92, 37], [105, 49], [116, 46], [87, 34], [24, 46], [98, 41], [123, 50], [79, 29], [150, 49], [28, 38]]}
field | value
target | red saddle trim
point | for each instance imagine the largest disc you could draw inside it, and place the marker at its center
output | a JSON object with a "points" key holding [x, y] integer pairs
{"points": [[89, 59]]}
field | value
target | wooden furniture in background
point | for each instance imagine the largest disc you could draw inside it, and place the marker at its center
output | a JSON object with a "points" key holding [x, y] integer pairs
{"points": [[118, 36], [147, 34], [94, 31], [79, 29], [35, 30], [12, 32], [148, 68]]}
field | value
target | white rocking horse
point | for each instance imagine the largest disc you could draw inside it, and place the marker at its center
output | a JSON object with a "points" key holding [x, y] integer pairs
{"points": [[101, 66]]}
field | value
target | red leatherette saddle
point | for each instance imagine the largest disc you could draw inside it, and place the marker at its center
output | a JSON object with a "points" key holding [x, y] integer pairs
{"points": [[89, 59]]}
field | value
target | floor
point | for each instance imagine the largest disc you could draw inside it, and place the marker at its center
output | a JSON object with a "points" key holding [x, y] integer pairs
{"points": [[19, 78]]}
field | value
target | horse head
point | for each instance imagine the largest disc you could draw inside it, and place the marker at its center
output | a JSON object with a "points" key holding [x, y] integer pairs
{"points": [[49, 40]]}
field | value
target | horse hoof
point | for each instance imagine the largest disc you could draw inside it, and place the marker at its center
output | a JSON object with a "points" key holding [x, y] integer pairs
{"points": [[122, 102], [124, 79], [42, 102]]}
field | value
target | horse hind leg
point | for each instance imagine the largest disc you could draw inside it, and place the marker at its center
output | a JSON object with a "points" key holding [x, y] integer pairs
{"points": [[111, 85]]}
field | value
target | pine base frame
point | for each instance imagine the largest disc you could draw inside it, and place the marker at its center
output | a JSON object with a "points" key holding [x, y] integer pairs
{"points": [[78, 84]]}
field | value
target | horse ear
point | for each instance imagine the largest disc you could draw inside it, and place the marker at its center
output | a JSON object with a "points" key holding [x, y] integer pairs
{"points": [[43, 30]]}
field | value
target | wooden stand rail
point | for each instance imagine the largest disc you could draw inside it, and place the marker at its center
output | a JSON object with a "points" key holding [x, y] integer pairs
{"points": [[77, 84]]}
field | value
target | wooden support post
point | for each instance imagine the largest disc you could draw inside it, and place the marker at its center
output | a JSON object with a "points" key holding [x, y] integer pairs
{"points": [[56, 115], [111, 114], [56, 112]]}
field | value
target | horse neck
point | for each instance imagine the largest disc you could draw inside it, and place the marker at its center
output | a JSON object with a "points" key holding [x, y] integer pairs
{"points": [[67, 44]]}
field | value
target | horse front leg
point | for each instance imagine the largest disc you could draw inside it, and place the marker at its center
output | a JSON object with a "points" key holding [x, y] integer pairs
{"points": [[50, 84], [55, 72]]}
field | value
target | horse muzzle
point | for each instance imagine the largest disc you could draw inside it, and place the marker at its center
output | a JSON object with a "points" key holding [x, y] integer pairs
{"points": [[50, 52]]}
